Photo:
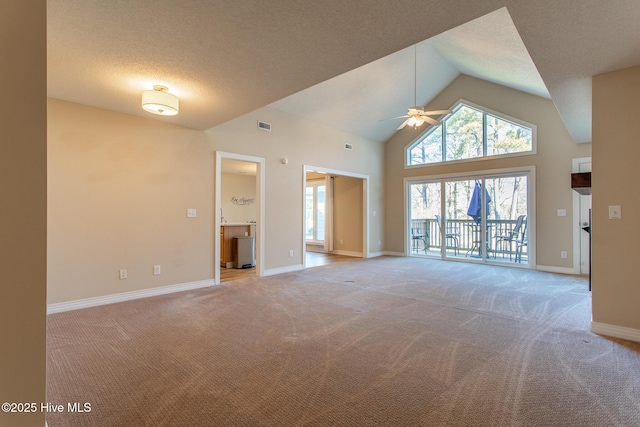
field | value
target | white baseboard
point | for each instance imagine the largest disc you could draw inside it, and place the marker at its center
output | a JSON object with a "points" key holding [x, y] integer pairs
{"points": [[348, 253], [126, 296], [551, 269], [376, 254], [616, 331], [281, 270]]}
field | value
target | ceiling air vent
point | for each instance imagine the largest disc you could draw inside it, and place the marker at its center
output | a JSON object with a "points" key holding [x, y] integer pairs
{"points": [[264, 126], [348, 147]]}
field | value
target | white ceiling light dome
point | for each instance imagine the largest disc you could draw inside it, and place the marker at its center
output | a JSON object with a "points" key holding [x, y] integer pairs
{"points": [[160, 101]]}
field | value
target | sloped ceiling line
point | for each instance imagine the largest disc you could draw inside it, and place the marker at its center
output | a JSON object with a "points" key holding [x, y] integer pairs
{"points": [[224, 61]]}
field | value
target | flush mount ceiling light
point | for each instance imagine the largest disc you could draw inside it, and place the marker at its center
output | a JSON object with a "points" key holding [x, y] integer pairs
{"points": [[160, 101]]}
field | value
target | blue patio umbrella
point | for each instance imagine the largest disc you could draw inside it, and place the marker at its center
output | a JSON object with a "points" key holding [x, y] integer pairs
{"points": [[475, 206]]}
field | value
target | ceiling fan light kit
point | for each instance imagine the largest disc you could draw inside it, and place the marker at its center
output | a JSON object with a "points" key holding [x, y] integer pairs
{"points": [[160, 101]]}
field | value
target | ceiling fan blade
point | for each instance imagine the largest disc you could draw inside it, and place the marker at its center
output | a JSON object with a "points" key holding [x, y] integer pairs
{"points": [[429, 120], [404, 123], [437, 112], [393, 118]]}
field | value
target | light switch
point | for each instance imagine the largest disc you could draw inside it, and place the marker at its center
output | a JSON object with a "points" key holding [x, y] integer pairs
{"points": [[562, 212], [615, 212], [191, 213]]}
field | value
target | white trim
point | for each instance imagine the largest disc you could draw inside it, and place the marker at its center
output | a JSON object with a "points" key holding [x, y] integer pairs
{"points": [[127, 296], [309, 168], [616, 331], [285, 269], [529, 171], [577, 228], [376, 254], [471, 174], [553, 269], [365, 204], [315, 183], [348, 253], [484, 110], [260, 206], [328, 219]]}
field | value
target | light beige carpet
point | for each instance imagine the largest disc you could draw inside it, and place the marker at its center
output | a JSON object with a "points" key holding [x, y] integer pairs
{"points": [[380, 342]]}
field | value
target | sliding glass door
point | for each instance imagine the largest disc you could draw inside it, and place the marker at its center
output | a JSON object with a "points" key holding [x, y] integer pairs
{"points": [[509, 218], [425, 236], [483, 218], [463, 218]]}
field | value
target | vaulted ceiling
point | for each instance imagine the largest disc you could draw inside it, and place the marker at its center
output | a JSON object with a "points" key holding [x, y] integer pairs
{"points": [[346, 64], [360, 100]]}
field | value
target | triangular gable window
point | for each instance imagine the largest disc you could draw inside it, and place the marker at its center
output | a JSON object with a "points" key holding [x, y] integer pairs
{"points": [[472, 132]]}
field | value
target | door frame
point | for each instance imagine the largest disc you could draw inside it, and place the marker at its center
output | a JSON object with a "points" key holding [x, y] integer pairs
{"points": [[365, 205], [577, 228], [530, 171], [260, 193]]}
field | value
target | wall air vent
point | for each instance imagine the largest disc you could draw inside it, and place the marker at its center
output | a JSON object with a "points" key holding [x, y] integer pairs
{"points": [[348, 147], [264, 126]]}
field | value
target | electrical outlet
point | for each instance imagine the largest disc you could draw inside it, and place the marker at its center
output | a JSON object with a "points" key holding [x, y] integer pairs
{"points": [[123, 273], [156, 270], [291, 253], [563, 254], [341, 241], [191, 213]]}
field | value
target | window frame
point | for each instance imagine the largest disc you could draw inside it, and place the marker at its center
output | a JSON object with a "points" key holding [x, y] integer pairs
{"points": [[315, 183], [441, 178], [485, 111]]}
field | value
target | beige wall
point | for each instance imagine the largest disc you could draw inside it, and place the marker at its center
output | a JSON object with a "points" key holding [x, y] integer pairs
{"points": [[239, 197], [347, 214], [616, 290], [302, 142], [119, 189], [23, 210], [552, 162]]}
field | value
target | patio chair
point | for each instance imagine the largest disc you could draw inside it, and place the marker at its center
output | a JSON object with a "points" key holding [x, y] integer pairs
{"points": [[449, 234], [416, 236], [511, 236], [521, 243]]}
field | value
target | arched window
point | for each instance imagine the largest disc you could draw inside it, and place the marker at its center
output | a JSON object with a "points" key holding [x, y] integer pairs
{"points": [[472, 132]]}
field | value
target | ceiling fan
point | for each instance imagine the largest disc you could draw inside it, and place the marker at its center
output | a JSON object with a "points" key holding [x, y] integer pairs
{"points": [[417, 115]]}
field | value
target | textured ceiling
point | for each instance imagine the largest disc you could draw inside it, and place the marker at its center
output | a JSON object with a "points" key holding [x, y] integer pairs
{"points": [[488, 47], [224, 59]]}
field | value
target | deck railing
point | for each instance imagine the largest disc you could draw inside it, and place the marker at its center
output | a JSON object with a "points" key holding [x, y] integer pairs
{"points": [[467, 233]]}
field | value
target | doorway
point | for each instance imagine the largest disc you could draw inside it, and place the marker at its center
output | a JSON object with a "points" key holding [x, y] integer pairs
{"points": [[335, 213], [581, 218], [484, 217], [242, 212]]}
